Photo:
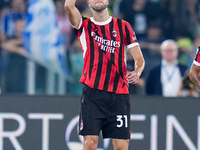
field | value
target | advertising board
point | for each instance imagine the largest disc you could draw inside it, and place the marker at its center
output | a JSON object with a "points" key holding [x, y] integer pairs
{"points": [[51, 123]]}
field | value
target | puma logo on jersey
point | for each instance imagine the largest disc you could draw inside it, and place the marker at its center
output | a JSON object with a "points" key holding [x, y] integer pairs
{"points": [[134, 38]]}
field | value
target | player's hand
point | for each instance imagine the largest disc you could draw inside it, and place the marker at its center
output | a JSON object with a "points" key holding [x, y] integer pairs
{"points": [[133, 77]]}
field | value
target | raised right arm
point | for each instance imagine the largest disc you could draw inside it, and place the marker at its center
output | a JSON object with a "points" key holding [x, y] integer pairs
{"points": [[73, 13]]}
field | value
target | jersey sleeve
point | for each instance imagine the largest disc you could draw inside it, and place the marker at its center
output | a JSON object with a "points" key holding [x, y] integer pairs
{"points": [[130, 37], [197, 57], [80, 24]]}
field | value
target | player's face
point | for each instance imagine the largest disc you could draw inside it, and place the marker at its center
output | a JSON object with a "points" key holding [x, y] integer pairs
{"points": [[98, 5]]}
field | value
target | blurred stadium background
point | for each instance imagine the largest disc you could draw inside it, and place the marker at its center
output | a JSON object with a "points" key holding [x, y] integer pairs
{"points": [[41, 63]]}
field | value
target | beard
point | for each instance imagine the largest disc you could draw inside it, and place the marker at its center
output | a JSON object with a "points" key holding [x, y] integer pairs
{"points": [[99, 8]]}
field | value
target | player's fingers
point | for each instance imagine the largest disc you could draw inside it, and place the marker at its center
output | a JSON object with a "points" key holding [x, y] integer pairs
{"points": [[133, 75], [128, 74], [133, 80]]}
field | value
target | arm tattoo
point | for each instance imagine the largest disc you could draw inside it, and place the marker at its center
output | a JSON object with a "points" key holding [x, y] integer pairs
{"points": [[196, 81]]}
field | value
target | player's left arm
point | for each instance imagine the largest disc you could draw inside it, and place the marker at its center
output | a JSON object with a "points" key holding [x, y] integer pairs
{"points": [[133, 76], [194, 75]]}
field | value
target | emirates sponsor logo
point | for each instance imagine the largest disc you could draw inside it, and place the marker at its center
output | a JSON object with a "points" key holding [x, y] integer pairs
{"points": [[106, 45]]}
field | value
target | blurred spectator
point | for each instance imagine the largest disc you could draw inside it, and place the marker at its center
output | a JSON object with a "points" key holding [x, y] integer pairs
{"points": [[138, 13], [65, 28], [14, 43], [150, 46], [15, 75], [115, 8], [167, 7], [63, 23], [181, 16], [17, 11], [3, 9], [185, 52], [166, 78], [155, 10], [193, 9]]}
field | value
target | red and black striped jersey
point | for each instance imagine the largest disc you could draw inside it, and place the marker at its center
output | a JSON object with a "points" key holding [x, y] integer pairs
{"points": [[197, 57], [103, 46]]}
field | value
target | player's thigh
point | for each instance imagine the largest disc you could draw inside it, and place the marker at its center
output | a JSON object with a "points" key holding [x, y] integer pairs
{"points": [[90, 142], [120, 144]]}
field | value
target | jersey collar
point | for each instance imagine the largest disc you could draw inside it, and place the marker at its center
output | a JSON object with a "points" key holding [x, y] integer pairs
{"points": [[101, 23]]}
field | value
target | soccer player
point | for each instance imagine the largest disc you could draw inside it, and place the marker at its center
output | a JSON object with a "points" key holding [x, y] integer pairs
{"points": [[195, 70], [105, 104]]}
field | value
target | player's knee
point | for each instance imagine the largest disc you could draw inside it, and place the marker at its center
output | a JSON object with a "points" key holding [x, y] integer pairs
{"points": [[90, 144], [121, 148], [120, 144]]}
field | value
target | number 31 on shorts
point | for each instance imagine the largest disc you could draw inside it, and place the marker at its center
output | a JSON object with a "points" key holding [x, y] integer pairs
{"points": [[122, 119]]}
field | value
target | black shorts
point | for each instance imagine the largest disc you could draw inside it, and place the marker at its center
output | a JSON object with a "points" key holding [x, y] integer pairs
{"points": [[104, 111]]}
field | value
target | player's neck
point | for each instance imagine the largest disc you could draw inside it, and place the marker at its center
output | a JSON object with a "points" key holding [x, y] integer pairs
{"points": [[101, 16]]}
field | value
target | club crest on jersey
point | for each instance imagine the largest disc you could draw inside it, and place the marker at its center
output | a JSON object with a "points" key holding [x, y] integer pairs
{"points": [[114, 33]]}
